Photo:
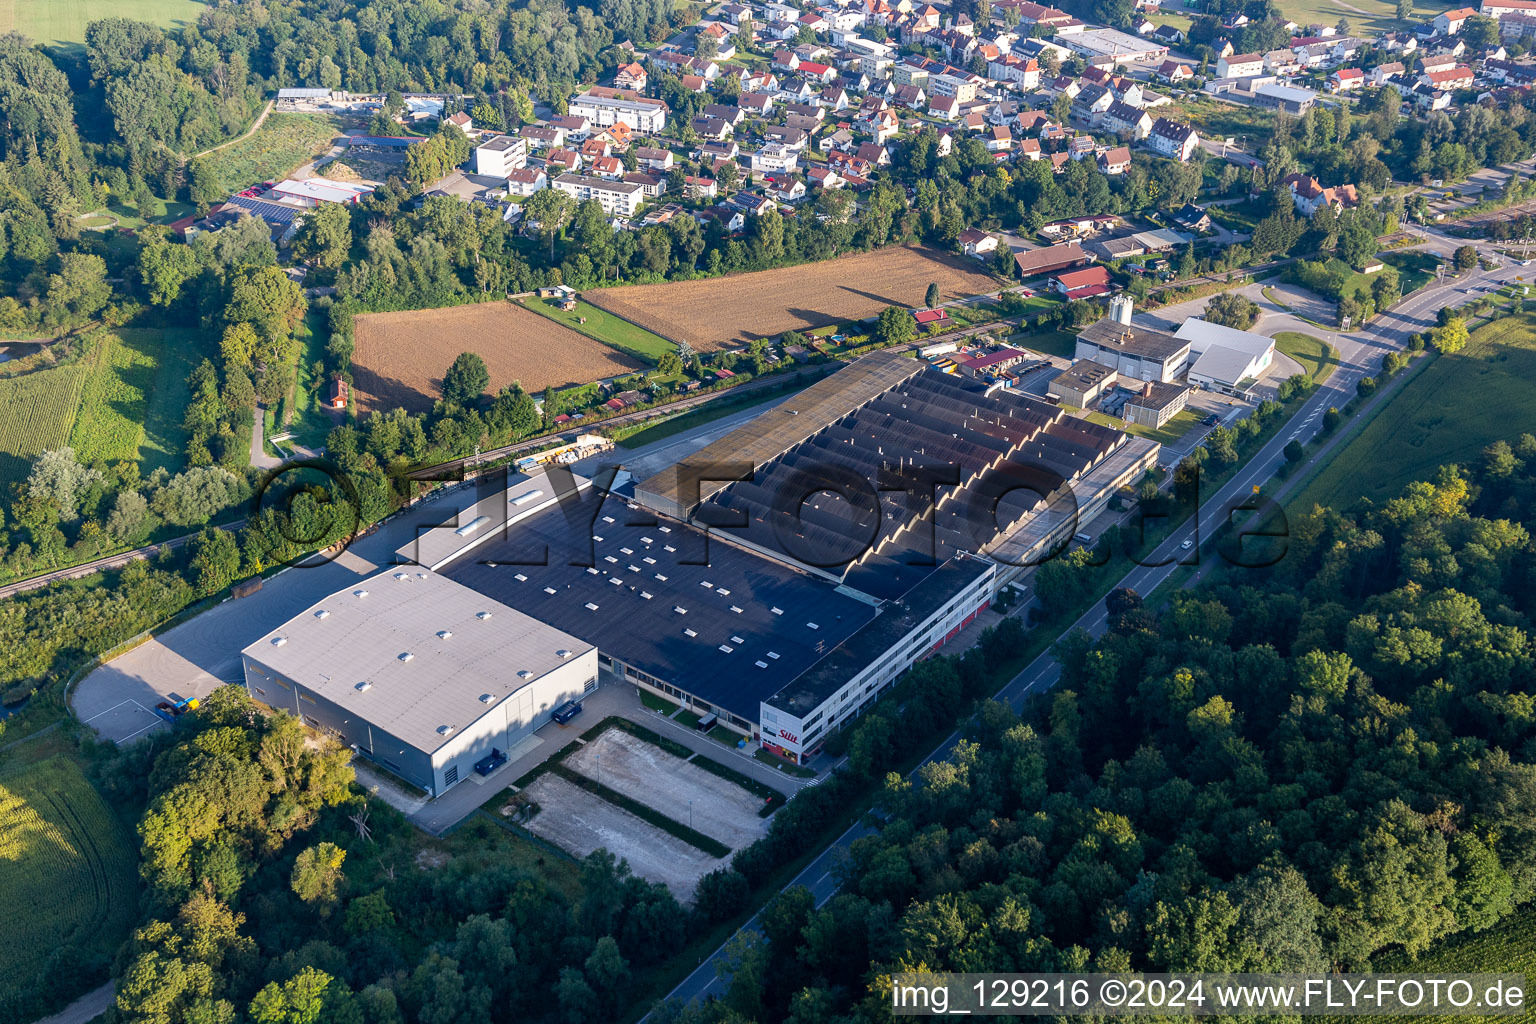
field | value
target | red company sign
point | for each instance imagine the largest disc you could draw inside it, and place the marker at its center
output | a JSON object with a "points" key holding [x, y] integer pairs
{"points": [[786, 734]]}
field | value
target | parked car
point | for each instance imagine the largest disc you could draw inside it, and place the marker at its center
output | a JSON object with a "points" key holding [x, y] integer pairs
{"points": [[567, 711]]}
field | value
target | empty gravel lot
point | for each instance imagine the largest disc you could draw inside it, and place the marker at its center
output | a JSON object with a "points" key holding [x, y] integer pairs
{"points": [[643, 771]]}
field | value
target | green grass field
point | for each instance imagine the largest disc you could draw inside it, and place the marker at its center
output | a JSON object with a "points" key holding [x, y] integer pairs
{"points": [[1378, 15], [611, 330], [1166, 434], [1414, 269], [37, 412], [284, 142], [63, 22], [134, 397], [1448, 413], [309, 423], [1316, 356], [1051, 343], [69, 886]]}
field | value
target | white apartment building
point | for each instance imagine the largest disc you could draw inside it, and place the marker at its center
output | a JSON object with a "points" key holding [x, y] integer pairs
{"points": [[617, 198]]}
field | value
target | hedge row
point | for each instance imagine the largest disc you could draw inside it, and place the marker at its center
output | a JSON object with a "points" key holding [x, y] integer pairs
{"points": [[772, 798]]}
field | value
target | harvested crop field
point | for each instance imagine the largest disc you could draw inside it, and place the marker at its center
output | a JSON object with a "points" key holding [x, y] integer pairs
{"points": [[723, 312], [400, 358]]}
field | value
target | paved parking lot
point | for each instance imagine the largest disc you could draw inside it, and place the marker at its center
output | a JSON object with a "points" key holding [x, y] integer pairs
{"points": [[203, 653]]}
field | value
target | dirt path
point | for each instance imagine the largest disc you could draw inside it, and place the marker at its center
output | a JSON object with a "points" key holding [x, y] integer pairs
{"points": [[260, 119], [87, 1008]]}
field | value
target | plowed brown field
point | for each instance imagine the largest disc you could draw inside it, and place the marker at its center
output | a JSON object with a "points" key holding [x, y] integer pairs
{"points": [[401, 357], [723, 312]]}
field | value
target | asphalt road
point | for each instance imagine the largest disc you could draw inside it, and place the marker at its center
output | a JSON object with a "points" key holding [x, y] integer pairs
{"points": [[1360, 355]]}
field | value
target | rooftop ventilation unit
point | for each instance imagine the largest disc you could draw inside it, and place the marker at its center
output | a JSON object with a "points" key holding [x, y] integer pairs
{"points": [[405, 656], [760, 664], [706, 585], [278, 641], [486, 698], [661, 577], [665, 529], [363, 687], [526, 497], [562, 653], [549, 590], [359, 593], [400, 576], [736, 608], [634, 568], [774, 655], [608, 520], [521, 578], [647, 594], [524, 674], [627, 551], [482, 616], [670, 549], [445, 730], [445, 634], [680, 609], [811, 625], [737, 640], [473, 525], [722, 592], [592, 570], [727, 648], [591, 607], [597, 537], [322, 613], [690, 632], [777, 611]]}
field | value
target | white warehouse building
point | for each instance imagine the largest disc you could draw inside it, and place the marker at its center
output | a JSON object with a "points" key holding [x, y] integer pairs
{"points": [[1225, 359], [420, 674]]}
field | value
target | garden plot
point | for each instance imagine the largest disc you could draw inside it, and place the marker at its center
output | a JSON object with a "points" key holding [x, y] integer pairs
{"points": [[643, 771], [579, 822]]}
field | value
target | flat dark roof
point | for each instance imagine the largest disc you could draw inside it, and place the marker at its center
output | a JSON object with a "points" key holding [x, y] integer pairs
{"points": [[1136, 341], [808, 691], [761, 610]]}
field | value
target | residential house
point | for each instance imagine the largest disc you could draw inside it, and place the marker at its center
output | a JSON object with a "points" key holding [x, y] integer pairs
{"points": [[1310, 196], [1174, 73], [700, 188], [1448, 23], [1124, 119], [758, 104], [1173, 139], [1000, 140], [594, 148], [712, 128], [1167, 35], [793, 138], [563, 160], [824, 177], [694, 83], [1193, 218], [978, 243], [946, 108], [1092, 102], [1381, 73], [462, 122], [632, 77], [1346, 80], [525, 181], [788, 190], [874, 154], [1458, 77], [653, 185], [841, 139], [775, 158], [539, 136], [1116, 160], [610, 167], [654, 159], [910, 96], [786, 60]]}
